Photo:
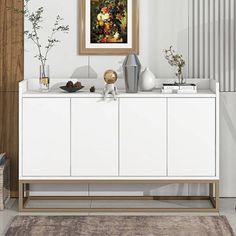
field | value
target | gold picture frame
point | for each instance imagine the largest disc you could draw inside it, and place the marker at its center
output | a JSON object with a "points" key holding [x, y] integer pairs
{"points": [[87, 48]]}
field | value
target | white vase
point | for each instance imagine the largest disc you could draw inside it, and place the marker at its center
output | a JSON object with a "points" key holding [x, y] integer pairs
{"points": [[147, 80]]}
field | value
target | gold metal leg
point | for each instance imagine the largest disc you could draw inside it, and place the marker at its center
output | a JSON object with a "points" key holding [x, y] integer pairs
{"points": [[214, 194], [20, 196], [217, 195], [27, 190], [211, 190], [24, 195]]}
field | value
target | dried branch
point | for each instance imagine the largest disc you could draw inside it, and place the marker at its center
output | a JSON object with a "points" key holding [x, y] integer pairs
{"points": [[177, 60], [35, 18]]}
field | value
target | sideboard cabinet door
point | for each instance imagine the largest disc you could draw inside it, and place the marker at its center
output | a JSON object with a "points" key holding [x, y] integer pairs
{"points": [[143, 137], [94, 137], [46, 137], [191, 137]]}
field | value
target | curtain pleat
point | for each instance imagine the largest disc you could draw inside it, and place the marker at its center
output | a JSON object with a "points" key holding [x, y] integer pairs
{"points": [[212, 37]]}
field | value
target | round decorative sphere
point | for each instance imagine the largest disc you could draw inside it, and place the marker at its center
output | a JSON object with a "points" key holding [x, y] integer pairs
{"points": [[110, 76]]}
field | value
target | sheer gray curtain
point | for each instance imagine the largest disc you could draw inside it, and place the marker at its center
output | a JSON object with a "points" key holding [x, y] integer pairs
{"points": [[212, 37]]}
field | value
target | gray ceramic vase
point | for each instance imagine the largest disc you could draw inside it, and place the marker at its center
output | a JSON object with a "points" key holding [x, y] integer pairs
{"points": [[132, 69]]}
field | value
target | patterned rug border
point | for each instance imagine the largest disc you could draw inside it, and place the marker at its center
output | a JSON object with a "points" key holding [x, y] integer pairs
{"points": [[16, 218]]}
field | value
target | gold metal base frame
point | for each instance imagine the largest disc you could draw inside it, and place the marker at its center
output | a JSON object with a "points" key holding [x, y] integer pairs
{"points": [[24, 196]]}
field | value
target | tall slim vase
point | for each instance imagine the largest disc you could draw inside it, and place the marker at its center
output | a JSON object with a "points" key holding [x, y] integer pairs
{"points": [[44, 78]]}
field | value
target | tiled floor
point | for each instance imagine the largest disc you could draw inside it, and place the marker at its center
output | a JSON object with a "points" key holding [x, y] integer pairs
{"points": [[227, 209]]}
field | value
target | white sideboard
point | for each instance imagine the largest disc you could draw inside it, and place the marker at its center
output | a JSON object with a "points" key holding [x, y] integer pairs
{"points": [[144, 136]]}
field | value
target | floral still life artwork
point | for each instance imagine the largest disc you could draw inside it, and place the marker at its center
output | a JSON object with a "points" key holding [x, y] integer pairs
{"points": [[109, 27], [109, 21]]}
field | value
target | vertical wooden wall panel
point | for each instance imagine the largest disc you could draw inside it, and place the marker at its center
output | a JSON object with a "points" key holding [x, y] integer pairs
{"points": [[11, 71], [11, 45], [9, 134]]}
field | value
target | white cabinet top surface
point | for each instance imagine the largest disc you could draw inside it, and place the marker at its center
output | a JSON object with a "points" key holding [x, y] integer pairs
{"points": [[30, 88], [122, 94]]}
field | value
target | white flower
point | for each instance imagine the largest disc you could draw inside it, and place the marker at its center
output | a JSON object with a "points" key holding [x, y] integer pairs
{"points": [[106, 16], [116, 36], [103, 16], [100, 17]]}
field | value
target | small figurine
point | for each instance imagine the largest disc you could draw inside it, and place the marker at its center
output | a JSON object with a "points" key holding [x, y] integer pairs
{"points": [[110, 78]]}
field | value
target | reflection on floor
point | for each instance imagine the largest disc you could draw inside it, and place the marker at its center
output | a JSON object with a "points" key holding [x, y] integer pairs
{"points": [[119, 204], [227, 209]]}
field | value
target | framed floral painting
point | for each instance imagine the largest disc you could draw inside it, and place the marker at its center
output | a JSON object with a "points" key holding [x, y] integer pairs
{"points": [[109, 27]]}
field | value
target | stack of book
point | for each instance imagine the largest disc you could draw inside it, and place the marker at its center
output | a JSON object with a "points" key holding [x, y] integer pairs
{"points": [[4, 181], [2, 158], [181, 89]]}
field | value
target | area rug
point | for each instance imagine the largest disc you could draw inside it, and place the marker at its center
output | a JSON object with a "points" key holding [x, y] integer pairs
{"points": [[119, 225]]}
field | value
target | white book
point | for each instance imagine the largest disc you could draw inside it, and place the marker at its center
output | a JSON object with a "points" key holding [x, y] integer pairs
{"points": [[178, 87], [168, 91], [166, 87], [179, 91], [187, 88], [185, 91]]}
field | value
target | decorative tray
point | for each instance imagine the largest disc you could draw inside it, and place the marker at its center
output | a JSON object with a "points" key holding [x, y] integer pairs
{"points": [[71, 90]]}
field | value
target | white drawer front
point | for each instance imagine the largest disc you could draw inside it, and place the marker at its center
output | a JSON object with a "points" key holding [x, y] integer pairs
{"points": [[94, 137], [46, 137], [143, 137], [191, 137]]}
